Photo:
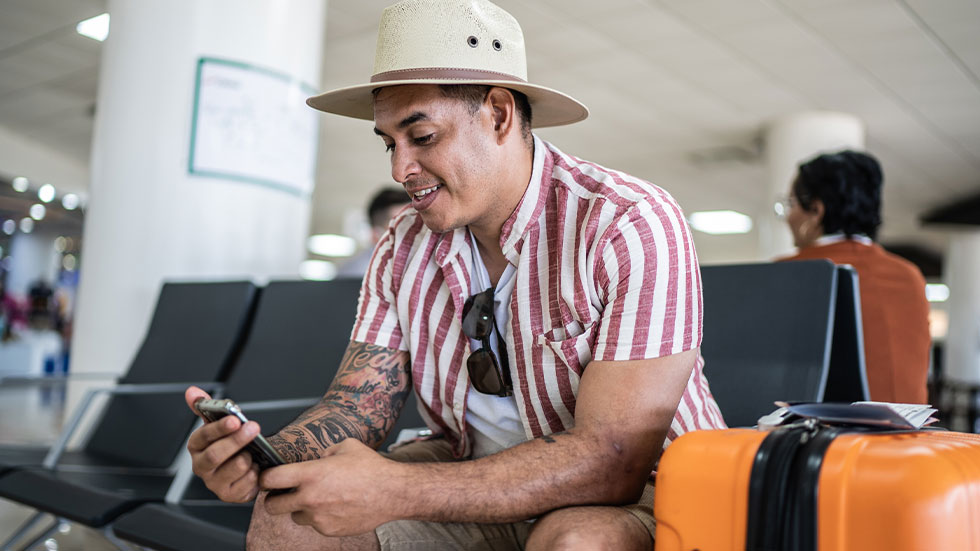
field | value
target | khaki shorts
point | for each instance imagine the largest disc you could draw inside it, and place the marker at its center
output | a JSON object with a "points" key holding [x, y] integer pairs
{"points": [[412, 535]]}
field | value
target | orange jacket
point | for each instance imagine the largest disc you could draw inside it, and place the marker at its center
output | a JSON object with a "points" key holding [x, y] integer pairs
{"points": [[896, 318]]}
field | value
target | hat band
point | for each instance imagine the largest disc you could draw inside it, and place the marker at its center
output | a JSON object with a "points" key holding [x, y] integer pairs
{"points": [[442, 73]]}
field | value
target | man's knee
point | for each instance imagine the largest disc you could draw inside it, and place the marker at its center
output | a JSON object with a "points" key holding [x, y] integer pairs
{"points": [[589, 528], [262, 530], [267, 532]]}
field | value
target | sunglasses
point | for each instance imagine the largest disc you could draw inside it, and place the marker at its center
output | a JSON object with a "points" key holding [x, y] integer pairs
{"points": [[484, 369]]}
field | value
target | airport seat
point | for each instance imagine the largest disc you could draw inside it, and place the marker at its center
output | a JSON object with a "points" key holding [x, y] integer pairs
{"points": [[767, 334], [194, 335], [298, 336], [196, 522], [189, 521]]}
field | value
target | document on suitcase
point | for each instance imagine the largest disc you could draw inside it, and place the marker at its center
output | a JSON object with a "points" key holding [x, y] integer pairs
{"points": [[812, 487]]}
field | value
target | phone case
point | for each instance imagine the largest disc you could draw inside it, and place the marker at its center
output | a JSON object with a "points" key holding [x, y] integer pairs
{"points": [[261, 451]]}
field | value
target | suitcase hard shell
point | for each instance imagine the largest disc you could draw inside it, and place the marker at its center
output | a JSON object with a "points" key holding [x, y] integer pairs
{"points": [[886, 490]]}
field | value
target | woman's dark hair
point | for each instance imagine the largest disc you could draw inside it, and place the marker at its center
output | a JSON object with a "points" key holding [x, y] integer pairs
{"points": [[848, 184]]}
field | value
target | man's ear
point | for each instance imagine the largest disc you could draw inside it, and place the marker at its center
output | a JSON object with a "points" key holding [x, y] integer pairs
{"points": [[503, 112]]}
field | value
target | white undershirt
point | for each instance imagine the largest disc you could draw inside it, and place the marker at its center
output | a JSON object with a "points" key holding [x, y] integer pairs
{"points": [[494, 422]]}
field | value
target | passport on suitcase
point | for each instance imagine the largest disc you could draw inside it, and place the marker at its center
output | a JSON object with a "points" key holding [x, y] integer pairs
{"points": [[814, 487]]}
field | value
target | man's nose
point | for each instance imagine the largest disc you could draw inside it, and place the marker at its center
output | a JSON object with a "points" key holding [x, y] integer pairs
{"points": [[404, 166]]}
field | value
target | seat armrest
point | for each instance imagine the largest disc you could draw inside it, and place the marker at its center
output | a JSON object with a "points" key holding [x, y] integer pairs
{"points": [[269, 405], [58, 448], [160, 388], [52, 380]]}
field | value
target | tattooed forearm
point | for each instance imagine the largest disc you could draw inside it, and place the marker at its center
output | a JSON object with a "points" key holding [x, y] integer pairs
{"points": [[363, 402]]}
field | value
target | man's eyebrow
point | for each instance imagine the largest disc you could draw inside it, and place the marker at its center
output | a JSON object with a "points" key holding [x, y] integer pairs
{"points": [[407, 121], [413, 118]]}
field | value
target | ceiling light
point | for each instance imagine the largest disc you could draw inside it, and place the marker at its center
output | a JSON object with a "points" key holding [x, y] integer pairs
{"points": [[26, 225], [9, 227], [38, 211], [20, 184], [46, 193], [328, 244], [68, 262], [937, 292], [96, 28], [317, 270], [721, 222], [70, 201]]}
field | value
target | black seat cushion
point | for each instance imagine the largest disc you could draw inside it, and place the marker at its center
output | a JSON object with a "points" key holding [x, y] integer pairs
{"points": [[93, 499], [16, 457], [169, 527]]}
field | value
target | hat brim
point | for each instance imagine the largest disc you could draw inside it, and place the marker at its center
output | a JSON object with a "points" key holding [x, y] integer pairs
{"points": [[549, 107]]}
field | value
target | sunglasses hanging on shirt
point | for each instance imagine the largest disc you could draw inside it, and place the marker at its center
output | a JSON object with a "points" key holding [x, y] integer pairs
{"points": [[482, 365]]}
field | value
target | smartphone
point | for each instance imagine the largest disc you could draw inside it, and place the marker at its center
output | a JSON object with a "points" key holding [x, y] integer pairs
{"points": [[262, 452]]}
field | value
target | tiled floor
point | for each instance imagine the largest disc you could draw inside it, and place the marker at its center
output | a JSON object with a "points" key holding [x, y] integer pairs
{"points": [[33, 415]]}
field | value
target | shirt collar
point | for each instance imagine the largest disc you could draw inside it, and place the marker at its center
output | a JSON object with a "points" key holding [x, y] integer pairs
{"points": [[838, 237], [529, 209]]}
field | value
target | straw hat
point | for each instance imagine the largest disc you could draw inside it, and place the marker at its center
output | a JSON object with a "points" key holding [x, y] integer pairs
{"points": [[450, 42]]}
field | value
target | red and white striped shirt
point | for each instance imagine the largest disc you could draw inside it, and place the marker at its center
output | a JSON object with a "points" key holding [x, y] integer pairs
{"points": [[606, 270]]}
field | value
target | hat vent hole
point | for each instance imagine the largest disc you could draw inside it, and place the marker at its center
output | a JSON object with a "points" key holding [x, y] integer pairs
{"points": [[472, 41], [496, 44]]}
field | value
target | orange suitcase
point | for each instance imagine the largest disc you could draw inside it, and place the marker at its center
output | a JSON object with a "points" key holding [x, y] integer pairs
{"points": [[819, 488]]}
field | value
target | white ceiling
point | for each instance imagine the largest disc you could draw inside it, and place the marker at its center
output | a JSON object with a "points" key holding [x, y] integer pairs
{"points": [[668, 82]]}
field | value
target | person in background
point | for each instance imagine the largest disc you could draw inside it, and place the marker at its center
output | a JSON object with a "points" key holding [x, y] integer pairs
{"points": [[6, 310], [14, 313], [834, 211], [383, 207], [41, 309]]}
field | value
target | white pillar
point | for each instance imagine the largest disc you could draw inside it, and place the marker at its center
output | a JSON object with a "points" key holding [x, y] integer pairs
{"points": [[962, 275], [790, 140], [149, 218]]}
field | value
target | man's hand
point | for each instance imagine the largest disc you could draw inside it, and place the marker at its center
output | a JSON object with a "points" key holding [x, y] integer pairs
{"points": [[217, 455], [339, 494]]}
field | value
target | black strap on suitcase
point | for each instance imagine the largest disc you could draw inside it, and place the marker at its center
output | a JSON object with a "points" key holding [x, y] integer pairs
{"points": [[782, 512]]}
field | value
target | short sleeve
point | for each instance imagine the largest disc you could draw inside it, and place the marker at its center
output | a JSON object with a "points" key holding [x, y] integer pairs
{"points": [[377, 315], [647, 273]]}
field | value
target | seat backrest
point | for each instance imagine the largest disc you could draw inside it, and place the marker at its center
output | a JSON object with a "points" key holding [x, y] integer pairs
{"points": [[767, 334], [297, 341], [847, 379], [195, 334]]}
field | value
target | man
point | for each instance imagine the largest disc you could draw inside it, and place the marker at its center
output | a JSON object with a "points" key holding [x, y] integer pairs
{"points": [[545, 310], [383, 207]]}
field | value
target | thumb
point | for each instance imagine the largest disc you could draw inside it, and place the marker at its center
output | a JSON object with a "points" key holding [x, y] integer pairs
{"points": [[192, 395]]}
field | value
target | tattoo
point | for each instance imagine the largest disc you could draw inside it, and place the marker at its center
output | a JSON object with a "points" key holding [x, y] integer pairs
{"points": [[365, 388], [363, 402], [550, 438]]}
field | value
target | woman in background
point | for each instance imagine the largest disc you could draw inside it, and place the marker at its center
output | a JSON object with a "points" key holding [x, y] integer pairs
{"points": [[834, 210]]}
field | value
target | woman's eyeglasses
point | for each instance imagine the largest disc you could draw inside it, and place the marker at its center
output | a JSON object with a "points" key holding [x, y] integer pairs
{"points": [[783, 205], [484, 369]]}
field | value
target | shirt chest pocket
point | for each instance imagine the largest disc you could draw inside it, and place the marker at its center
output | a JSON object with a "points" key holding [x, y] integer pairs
{"points": [[570, 344]]}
